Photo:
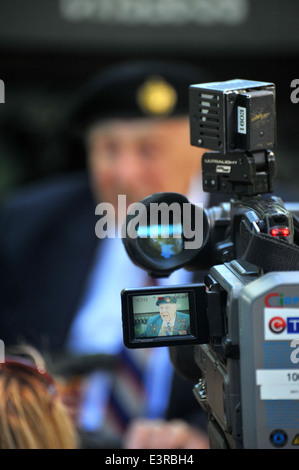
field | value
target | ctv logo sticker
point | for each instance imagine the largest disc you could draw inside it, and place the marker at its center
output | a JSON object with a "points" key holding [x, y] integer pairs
{"points": [[277, 325], [281, 324]]}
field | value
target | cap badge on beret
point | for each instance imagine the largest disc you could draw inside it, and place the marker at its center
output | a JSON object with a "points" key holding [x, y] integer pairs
{"points": [[166, 299], [156, 97]]}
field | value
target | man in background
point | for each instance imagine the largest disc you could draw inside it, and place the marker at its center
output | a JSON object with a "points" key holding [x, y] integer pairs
{"points": [[60, 285]]}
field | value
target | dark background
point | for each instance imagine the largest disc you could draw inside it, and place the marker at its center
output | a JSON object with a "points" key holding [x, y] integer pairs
{"points": [[49, 48]]}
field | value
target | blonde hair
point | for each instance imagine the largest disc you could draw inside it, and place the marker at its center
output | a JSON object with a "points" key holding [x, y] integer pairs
{"points": [[32, 412]]}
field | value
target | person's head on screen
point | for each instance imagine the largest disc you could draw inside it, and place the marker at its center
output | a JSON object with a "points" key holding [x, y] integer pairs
{"points": [[136, 124], [167, 308], [32, 412]]}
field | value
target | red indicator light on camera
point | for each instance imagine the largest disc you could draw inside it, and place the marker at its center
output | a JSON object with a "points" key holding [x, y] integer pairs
{"points": [[280, 232]]}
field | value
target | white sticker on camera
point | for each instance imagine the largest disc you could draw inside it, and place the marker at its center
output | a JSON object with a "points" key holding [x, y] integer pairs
{"points": [[223, 169], [278, 384], [281, 324], [241, 120]]}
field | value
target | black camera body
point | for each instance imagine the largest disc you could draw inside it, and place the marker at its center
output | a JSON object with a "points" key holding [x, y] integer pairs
{"points": [[242, 323]]}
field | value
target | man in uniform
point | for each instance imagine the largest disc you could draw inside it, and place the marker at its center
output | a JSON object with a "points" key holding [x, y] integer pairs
{"points": [[169, 322], [60, 284]]}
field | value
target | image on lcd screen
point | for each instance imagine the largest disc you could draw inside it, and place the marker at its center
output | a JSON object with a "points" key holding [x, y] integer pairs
{"points": [[161, 315]]}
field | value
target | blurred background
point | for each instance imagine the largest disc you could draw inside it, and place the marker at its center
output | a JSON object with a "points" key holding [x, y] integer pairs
{"points": [[49, 48]]}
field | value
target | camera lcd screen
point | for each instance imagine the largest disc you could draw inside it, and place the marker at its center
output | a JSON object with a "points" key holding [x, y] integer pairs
{"points": [[159, 317]]}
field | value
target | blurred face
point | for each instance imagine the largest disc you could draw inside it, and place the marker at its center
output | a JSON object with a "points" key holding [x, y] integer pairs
{"points": [[167, 311], [139, 157]]}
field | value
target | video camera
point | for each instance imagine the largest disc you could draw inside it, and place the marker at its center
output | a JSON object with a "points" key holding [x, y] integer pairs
{"points": [[237, 333]]}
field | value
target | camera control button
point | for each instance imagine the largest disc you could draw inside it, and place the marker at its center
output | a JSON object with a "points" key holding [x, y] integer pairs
{"points": [[278, 438]]}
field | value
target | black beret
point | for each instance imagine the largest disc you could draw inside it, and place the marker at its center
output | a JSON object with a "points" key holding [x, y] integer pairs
{"points": [[136, 89], [166, 300]]}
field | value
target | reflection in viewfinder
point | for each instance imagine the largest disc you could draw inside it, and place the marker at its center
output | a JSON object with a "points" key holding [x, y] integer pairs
{"points": [[160, 240]]}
